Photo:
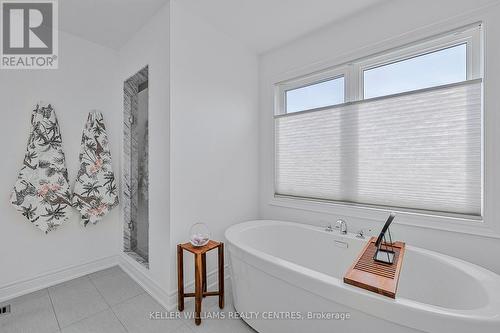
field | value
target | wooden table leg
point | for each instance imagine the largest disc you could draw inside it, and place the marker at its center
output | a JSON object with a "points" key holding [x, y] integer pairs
{"points": [[180, 279], [198, 287], [204, 268], [221, 275]]}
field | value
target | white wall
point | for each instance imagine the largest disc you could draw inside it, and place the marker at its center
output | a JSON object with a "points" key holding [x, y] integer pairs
{"points": [[205, 139], [150, 46], [214, 150], [83, 82], [375, 30], [203, 126]]}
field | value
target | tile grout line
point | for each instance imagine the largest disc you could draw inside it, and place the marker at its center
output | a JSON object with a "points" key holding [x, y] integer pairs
{"points": [[87, 317], [87, 277], [102, 296], [123, 300], [104, 299], [93, 314], [111, 307], [53, 309]]}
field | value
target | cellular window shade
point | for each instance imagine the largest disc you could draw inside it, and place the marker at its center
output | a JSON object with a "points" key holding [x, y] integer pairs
{"points": [[418, 150]]}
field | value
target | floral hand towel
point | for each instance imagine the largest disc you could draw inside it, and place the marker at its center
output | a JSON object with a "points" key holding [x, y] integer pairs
{"points": [[41, 192], [95, 192]]}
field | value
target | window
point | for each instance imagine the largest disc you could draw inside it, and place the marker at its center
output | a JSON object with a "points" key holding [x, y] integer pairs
{"points": [[317, 95], [423, 71], [417, 147]]}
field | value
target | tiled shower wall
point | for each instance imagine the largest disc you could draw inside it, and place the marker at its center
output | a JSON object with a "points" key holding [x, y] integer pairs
{"points": [[130, 173]]}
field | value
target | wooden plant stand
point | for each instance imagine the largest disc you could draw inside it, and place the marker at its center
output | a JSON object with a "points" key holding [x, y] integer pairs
{"points": [[380, 278], [200, 273]]}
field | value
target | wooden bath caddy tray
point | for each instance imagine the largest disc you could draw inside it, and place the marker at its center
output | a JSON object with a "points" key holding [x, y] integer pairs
{"points": [[375, 276]]}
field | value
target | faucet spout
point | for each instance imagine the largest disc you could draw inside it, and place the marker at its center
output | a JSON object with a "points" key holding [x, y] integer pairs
{"points": [[341, 225]]}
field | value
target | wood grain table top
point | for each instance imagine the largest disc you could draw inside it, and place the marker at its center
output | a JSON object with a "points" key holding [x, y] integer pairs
{"points": [[200, 249]]}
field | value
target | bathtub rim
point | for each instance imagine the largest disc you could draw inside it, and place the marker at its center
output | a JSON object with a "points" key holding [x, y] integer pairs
{"points": [[490, 281]]}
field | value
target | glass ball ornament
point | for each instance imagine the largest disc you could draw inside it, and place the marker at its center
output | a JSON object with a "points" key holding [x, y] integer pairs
{"points": [[199, 234]]}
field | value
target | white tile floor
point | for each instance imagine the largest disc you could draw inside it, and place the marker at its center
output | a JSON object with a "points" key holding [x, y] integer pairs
{"points": [[108, 301]]}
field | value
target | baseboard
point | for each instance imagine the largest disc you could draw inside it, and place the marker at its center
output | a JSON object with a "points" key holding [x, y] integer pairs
{"points": [[48, 279], [132, 268], [168, 300], [138, 273]]}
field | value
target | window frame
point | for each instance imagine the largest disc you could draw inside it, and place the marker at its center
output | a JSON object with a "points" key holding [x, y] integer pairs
{"points": [[469, 37], [341, 76], [353, 71], [400, 48], [309, 80]]}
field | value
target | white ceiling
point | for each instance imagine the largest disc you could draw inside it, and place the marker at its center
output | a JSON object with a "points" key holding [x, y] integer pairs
{"points": [[106, 22], [266, 24], [259, 24]]}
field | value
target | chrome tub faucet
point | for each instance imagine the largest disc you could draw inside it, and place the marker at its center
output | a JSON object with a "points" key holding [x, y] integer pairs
{"points": [[341, 225]]}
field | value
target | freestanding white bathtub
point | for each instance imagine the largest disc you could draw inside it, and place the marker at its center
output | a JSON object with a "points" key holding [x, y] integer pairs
{"points": [[290, 272]]}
